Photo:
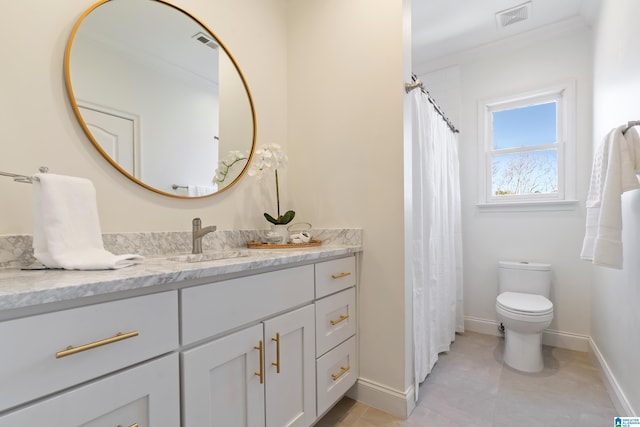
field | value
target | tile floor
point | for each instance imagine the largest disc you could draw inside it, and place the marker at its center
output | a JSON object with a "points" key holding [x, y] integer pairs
{"points": [[470, 386]]}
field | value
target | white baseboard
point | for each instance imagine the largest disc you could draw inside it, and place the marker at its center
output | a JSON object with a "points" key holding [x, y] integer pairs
{"points": [[619, 399], [395, 402], [566, 340], [481, 326], [550, 337]]}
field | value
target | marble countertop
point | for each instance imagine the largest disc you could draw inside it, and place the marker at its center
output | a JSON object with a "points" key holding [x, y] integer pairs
{"points": [[28, 288]]}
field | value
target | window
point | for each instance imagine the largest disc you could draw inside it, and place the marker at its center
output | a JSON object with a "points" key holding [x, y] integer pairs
{"points": [[527, 155]]}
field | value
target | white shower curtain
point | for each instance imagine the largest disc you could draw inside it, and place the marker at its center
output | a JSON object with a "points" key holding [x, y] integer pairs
{"points": [[437, 240]]}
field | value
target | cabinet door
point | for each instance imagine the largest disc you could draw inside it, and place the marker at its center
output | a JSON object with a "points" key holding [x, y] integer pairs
{"points": [[290, 393], [219, 382], [145, 396]]}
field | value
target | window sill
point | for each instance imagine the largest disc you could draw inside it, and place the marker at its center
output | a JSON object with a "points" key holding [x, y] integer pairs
{"points": [[529, 206]]}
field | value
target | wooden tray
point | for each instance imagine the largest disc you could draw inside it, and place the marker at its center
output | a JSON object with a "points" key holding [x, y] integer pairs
{"points": [[253, 244]]}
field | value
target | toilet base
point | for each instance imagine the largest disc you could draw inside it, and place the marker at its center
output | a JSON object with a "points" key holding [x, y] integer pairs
{"points": [[523, 351]]}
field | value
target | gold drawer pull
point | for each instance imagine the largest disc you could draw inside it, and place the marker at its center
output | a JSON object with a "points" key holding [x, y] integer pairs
{"points": [[277, 362], [74, 350], [342, 318], [132, 425], [260, 373], [339, 275], [343, 370]]}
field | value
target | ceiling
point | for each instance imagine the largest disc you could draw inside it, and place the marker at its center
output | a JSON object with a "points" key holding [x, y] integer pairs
{"points": [[447, 27]]}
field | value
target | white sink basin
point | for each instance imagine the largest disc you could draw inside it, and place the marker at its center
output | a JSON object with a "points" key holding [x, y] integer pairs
{"points": [[209, 256]]}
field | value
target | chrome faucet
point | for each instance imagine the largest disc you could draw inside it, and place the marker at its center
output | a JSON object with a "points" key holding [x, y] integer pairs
{"points": [[199, 233]]}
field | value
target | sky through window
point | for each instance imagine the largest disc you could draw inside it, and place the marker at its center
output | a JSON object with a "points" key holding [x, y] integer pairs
{"points": [[525, 126]]}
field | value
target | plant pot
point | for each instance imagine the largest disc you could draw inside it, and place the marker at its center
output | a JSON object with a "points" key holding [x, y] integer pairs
{"points": [[282, 230]]}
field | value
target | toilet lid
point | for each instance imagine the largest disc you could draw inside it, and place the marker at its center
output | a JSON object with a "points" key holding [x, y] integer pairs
{"points": [[524, 303]]}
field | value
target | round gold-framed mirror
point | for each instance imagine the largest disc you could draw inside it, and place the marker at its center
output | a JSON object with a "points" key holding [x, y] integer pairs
{"points": [[160, 97]]}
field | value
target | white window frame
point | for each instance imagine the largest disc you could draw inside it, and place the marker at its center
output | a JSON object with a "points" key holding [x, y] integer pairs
{"points": [[564, 95]]}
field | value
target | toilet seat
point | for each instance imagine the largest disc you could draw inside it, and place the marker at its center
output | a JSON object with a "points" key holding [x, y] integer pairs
{"points": [[524, 304]]}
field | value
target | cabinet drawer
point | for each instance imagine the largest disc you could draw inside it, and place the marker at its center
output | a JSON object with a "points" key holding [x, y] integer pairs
{"points": [[148, 395], [33, 365], [336, 275], [336, 372], [335, 320], [210, 310]]}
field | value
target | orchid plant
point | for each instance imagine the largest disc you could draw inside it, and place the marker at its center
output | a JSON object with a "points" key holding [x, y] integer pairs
{"points": [[271, 157], [227, 163]]}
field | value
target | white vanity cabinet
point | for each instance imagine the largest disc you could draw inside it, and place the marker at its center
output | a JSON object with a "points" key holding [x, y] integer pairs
{"points": [[270, 349], [336, 350], [264, 373], [78, 361]]}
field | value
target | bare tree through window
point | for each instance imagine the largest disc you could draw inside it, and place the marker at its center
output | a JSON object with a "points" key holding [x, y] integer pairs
{"points": [[532, 172]]}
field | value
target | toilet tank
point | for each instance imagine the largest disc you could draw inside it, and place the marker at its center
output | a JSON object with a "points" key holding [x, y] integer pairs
{"points": [[526, 277]]}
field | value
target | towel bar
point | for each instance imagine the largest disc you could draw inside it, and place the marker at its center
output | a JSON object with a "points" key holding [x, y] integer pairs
{"points": [[631, 124], [24, 178]]}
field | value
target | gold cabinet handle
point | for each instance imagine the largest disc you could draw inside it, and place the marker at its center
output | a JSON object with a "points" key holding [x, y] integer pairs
{"points": [[343, 370], [260, 373], [342, 318], [132, 425], [339, 275], [74, 350], [277, 362]]}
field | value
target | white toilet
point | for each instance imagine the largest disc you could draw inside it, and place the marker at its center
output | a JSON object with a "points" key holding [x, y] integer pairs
{"points": [[524, 309]]}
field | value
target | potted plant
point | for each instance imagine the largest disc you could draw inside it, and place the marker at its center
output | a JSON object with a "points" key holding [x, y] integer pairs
{"points": [[272, 157]]}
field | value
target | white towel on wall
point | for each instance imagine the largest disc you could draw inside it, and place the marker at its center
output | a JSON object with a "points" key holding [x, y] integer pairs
{"points": [[67, 228], [613, 173], [199, 190]]}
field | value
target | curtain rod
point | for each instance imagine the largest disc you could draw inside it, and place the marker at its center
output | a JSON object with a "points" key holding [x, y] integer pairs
{"points": [[415, 84]]}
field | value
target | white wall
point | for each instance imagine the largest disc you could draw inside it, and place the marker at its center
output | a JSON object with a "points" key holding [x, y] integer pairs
{"points": [[346, 137], [490, 236], [39, 127], [616, 293]]}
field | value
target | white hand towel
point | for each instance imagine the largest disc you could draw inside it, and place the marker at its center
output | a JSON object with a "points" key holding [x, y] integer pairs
{"points": [[67, 228], [612, 174], [199, 190], [203, 190]]}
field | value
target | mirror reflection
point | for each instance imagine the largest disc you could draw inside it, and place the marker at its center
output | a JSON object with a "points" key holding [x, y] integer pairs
{"points": [[159, 96]]}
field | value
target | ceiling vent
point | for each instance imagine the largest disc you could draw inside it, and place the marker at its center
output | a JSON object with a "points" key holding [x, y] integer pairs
{"points": [[206, 40], [513, 15]]}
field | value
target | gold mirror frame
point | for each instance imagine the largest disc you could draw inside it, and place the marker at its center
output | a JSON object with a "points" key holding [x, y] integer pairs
{"points": [[96, 144]]}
